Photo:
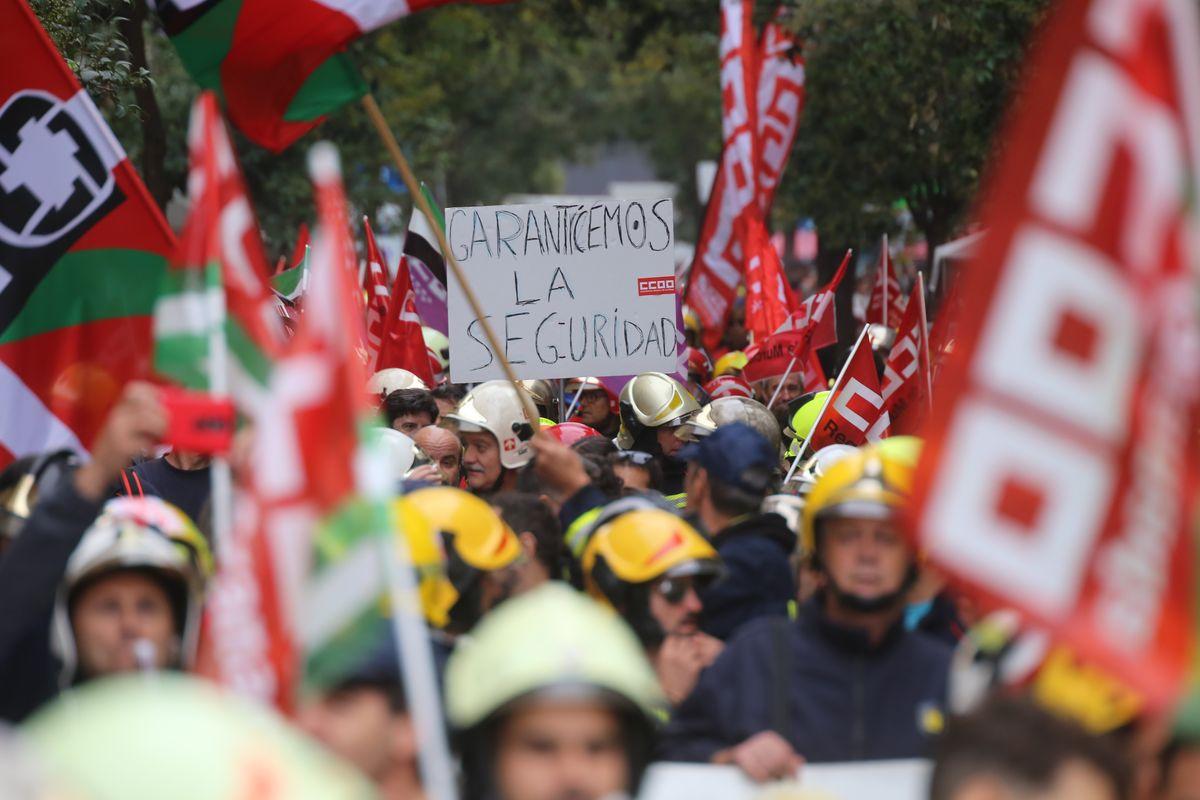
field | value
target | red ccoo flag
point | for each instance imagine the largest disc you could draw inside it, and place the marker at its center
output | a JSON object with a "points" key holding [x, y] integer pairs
{"points": [[375, 284], [818, 310], [403, 343], [886, 306], [854, 413], [907, 375], [1059, 473]]}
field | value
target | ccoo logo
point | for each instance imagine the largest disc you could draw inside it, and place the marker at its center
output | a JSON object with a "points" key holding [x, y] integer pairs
{"points": [[651, 286]]}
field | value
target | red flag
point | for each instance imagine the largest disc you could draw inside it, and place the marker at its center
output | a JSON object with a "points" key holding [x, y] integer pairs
{"points": [[788, 352], [854, 413], [780, 101], [82, 248], [907, 375], [752, 159], [403, 341], [886, 306], [818, 311], [1059, 473], [769, 298], [301, 246], [376, 285], [301, 467]]}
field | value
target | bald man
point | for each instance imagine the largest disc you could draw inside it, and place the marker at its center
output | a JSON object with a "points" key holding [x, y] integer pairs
{"points": [[446, 451]]}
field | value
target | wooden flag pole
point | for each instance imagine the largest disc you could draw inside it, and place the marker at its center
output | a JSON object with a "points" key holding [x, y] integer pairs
{"points": [[414, 188]]}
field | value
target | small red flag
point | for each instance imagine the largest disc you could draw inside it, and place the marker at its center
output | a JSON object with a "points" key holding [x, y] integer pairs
{"points": [[907, 375], [854, 413], [375, 284], [403, 342], [886, 306]]}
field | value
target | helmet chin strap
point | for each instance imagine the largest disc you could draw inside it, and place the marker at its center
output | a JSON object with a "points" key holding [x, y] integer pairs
{"points": [[872, 605]]}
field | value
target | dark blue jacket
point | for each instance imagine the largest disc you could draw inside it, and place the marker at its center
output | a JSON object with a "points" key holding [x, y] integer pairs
{"points": [[844, 699], [30, 572], [758, 580]]}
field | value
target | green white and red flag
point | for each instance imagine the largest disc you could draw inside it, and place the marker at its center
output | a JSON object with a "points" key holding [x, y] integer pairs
{"points": [[83, 248], [217, 284], [302, 472], [277, 64]]}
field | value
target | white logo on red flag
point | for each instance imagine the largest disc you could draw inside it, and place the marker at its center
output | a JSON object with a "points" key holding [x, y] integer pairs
{"points": [[907, 374], [1063, 447], [854, 413]]}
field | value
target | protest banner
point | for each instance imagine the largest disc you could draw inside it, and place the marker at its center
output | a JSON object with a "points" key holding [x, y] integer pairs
{"points": [[905, 779], [569, 289]]}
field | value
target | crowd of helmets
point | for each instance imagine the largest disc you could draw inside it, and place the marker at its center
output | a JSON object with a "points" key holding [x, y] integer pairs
{"points": [[626, 580]]}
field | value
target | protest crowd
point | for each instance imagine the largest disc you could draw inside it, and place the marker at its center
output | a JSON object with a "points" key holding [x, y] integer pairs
{"points": [[308, 541]]}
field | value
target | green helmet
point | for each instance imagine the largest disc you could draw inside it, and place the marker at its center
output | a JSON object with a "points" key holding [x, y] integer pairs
{"points": [[128, 738], [803, 420], [551, 637], [557, 642]]}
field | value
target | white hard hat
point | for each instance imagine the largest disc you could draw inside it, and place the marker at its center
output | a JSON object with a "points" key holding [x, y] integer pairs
{"points": [[389, 380], [495, 407]]}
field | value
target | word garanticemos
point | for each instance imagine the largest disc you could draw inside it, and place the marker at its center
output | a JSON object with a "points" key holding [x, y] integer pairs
{"points": [[552, 337], [560, 230]]}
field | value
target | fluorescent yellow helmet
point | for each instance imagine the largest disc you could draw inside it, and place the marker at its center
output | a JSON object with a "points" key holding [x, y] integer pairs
{"points": [[473, 540], [803, 420], [868, 483], [732, 363]]}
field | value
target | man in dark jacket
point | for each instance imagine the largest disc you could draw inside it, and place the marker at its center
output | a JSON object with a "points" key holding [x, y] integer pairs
{"points": [[32, 568], [845, 681], [729, 474]]}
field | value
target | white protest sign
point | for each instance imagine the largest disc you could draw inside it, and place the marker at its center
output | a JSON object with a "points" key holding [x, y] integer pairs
{"points": [[856, 780], [569, 290]]}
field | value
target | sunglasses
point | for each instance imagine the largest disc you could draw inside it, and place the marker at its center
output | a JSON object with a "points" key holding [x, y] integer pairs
{"points": [[639, 458], [674, 590]]}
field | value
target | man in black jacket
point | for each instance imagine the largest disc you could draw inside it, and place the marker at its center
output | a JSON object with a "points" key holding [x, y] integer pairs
{"points": [[729, 473], [32, 568], [845, 681]]}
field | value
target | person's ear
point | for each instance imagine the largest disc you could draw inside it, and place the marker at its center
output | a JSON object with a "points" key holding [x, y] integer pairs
{"points": [[528, 544]]}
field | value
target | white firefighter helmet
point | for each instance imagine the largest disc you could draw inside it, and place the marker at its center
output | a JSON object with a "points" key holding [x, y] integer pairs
{"points": [[653, 400], [392, 379], [495, 407], [137, 533], [727, 410]]}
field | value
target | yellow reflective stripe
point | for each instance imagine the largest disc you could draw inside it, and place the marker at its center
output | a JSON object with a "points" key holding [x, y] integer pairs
{"points": [[679, 500], [793, 609], [574, 536]]}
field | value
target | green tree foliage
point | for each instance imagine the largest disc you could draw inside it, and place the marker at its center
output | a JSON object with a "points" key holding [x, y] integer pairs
{"points": [[903, 100]]}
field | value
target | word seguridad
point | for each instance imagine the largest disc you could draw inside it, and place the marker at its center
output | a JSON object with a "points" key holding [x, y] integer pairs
{"points": [[568, 290]]}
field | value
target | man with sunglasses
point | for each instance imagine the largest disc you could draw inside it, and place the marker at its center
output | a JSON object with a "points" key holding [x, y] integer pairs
{"points": [[730, 472], [651, 567], [845, 681]]}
